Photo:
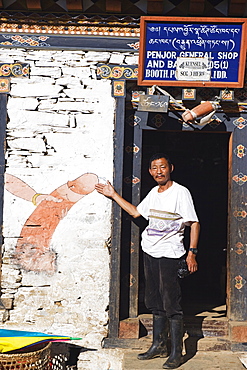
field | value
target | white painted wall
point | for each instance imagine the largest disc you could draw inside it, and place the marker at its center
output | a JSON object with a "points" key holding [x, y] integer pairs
{"points": [[60, 126]]}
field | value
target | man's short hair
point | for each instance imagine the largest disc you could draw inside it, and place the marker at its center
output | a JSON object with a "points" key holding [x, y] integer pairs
{"points": [[158, 156]]}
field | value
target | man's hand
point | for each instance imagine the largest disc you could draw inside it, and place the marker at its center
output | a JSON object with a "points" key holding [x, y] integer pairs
{"points": [[105, 189], [191, 262], [194, 236], [108, 191]]}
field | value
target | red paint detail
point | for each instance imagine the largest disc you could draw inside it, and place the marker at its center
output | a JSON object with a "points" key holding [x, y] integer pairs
{"points": [[33, 246]]}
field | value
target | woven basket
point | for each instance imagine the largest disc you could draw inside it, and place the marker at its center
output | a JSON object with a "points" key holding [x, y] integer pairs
{"points": [[36, 360]]}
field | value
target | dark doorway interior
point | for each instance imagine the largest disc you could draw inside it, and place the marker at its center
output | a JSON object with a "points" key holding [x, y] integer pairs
{"points": [[201, 164]]}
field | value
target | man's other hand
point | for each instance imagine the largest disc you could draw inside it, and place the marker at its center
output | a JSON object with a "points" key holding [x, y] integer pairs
{"points": [[191, 262]]}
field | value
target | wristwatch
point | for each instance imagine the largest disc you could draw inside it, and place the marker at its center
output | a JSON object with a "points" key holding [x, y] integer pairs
{"points": [[193, 250]]}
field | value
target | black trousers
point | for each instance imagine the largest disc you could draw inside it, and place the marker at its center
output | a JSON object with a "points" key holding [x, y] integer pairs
{"points": [[162, 286]]}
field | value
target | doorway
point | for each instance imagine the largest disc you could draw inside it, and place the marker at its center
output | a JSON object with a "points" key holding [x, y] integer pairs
{"points": [[201, 164]]}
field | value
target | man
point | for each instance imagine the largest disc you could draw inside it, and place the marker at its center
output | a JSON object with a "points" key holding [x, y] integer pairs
{"points": [[169, 208]]}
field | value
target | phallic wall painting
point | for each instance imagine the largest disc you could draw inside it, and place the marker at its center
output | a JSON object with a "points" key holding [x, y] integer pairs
{"points": [[58, 142], [33, 252]]}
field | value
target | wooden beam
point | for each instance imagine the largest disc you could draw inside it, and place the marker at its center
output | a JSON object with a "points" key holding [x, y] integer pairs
{"points": [[237, 231], [3, 121], [114, 299], [237, 8], [155, 6], [197, 7], [74, 5], [135, 230], [113, 6], [33, 4]]}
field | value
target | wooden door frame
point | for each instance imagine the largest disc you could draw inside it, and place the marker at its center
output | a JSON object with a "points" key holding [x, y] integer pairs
{"points": [[236, 287], [3, 122]]}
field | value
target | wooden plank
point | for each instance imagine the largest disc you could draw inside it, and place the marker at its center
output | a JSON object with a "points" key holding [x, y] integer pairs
{"points": [[237, 284], [113, 6], [129, 328], [237, 8], [33, 4], [91, 43], [114, 299], [238, 2], [135, 234], [3, 120], [74, 5], [14, 70], [228, 279], [197, 7], [155, 6], [153, 103]]}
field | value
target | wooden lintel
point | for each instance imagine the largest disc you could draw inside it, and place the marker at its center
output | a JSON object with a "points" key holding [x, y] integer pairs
{"points": [[74, 5], [197, 6], [33, 4], [236, 9], [113, 6], [155, 6], [129, 328]]}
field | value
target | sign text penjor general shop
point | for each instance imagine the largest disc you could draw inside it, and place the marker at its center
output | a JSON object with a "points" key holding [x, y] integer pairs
{"points": [[192, 51]]}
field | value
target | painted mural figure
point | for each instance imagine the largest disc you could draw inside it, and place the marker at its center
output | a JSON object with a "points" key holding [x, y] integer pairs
{"points": [[33, 251]]}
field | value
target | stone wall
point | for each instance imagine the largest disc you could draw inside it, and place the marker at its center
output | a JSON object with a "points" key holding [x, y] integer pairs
{"points": [[60, 126]]}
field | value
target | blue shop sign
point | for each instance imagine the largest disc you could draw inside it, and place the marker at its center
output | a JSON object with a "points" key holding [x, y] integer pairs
{"points": [[192, 53]]}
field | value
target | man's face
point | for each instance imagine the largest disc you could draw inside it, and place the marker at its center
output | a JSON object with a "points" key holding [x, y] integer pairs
{"points": [[160, 171]]}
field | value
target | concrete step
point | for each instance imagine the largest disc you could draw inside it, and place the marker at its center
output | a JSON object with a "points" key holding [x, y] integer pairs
{"points": [[191, 343], [206, 327], [204, 323], [194, 344], [193, 325], [223, 360]]}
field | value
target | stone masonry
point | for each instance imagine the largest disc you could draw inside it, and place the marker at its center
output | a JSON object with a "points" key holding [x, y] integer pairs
{"points": [[60, 126]]}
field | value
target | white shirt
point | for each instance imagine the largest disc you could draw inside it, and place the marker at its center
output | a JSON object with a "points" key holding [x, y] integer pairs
{"points": [[168, 213]]}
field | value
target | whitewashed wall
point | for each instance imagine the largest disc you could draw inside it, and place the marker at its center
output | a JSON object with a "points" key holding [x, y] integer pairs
{"points": [[60, 125]]}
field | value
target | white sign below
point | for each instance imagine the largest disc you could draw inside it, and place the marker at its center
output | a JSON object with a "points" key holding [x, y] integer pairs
{"points": [[193, 69]]}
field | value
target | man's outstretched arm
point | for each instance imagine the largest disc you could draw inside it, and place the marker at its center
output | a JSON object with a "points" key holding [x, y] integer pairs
{"points": [[109, 191]]}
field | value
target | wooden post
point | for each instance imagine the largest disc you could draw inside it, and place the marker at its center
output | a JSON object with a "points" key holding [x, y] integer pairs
{"points": [[135, 234], [114, 299], [237, 279], [3, 120]]}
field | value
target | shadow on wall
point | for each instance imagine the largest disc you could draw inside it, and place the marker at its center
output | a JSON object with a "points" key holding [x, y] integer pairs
{"points": [[33, 251], [65, 356]]}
